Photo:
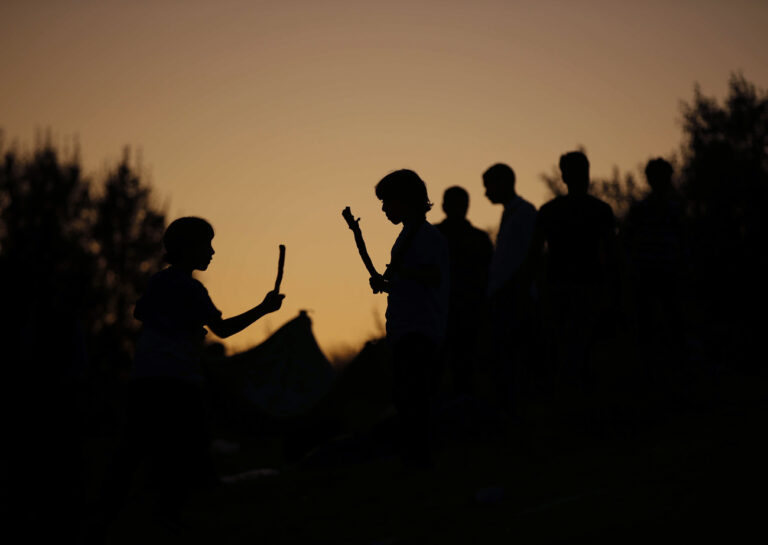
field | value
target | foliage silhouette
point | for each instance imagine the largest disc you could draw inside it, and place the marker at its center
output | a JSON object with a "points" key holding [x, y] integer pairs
{"points": [[725, 173], [725, 183], [72, 260], [128, 232]]}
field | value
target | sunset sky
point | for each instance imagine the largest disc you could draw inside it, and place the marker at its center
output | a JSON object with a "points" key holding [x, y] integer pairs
{"points": [[268, 118]]}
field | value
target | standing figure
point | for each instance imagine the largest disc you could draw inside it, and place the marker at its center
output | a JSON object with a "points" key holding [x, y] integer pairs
{"points": [[579, 232], [653, 234], [508, 301], [470, 256], [417, 284], [165, 415]]}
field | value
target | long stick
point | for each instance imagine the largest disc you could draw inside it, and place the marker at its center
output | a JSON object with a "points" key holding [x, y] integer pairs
{"points": [[353, 224], [280, 266]]}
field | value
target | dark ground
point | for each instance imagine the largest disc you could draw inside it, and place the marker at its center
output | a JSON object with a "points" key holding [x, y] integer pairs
{"points": [[691, 471]]}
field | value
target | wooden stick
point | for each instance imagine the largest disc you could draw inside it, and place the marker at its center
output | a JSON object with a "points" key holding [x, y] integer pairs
{"points": [[354, 225], [280, 266]]}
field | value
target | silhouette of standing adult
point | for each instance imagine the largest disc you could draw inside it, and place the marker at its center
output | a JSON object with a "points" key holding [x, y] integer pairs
{"points": [[165, 416], [653, 234], [470, 255], [507, 314], [579, 232], [417, 284]]}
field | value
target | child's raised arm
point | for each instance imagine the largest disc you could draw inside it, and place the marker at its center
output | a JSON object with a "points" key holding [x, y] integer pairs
{"points": [[225, 327]]}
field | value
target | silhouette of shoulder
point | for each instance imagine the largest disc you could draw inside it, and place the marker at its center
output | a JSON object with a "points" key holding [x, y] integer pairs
{"points": [[463, 233], [657, 212], [470, 251], [581, 208], [421, 244], [575, 228], [524, 205], [414, 306], [175, 301], [653, 230]]}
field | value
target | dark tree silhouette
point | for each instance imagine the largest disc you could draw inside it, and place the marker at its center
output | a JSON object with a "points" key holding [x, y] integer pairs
{"points": [[45, 208], [44, 274], [725, 183], [725, 171], [73, 257], [127, 234], [71, 263]]}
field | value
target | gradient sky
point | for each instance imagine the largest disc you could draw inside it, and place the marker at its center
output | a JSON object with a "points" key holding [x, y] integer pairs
{"points": [[267, 118]]}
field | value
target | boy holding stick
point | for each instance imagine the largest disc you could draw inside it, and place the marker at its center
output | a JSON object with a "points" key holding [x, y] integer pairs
{"points": [[416, 283], [165, 415]]}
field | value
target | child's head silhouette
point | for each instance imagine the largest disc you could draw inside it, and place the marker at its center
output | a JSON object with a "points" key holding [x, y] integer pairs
{"points": [[188, 243], [403, 195]]}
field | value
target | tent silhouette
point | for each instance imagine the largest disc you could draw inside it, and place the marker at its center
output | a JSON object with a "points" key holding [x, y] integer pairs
{"points": [[283, 377]]}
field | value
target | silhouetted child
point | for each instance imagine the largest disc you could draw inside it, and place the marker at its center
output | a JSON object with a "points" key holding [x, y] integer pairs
{"points": [[579, 232], [417, 284], [165, 415], [470, 252]]}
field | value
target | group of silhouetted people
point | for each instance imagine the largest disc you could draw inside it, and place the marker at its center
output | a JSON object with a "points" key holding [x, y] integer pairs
{"points": [[531, 308], [455, 302]]}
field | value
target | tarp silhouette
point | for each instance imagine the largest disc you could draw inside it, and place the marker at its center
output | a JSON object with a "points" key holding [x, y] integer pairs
{"points": [[285, 376]]}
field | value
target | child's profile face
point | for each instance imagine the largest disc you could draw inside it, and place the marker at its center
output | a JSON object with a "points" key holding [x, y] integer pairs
{"points": [[394, 209], [202, 254]]}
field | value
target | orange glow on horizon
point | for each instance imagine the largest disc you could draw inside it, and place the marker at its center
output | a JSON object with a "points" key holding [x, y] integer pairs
{"points": [[269, 118]]}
